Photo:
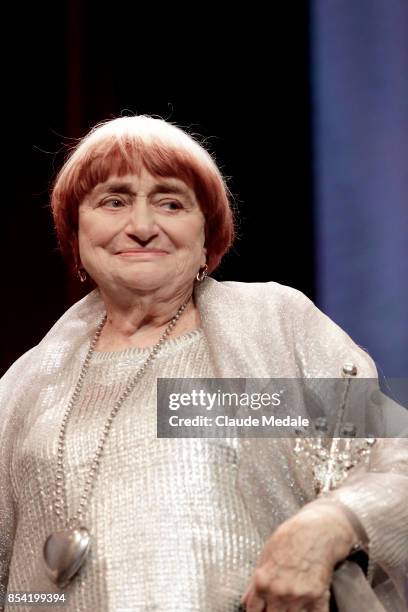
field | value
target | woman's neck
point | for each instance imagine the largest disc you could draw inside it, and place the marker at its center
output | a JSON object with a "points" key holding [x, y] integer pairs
{"points": [[140, 322]]}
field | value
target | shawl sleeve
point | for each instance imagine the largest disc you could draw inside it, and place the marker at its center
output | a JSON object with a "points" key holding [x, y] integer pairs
{"points": [[11, 389], [378, 494]]}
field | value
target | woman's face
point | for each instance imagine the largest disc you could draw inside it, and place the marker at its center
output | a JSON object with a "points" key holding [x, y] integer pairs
{"points": [[139, 232]]}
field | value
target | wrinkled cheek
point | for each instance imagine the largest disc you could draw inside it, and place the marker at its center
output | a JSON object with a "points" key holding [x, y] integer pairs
{"points": [[91, 254], [188, 261], [181, 267]]}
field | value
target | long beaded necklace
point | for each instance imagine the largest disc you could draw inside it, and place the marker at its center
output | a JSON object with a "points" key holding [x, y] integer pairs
{"points": [[65, 551]]}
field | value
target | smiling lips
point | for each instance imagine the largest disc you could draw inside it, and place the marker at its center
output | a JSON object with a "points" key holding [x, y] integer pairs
{"points": [[141, 251]]}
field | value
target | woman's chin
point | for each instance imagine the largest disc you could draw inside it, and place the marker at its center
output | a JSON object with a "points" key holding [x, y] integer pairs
{"points": [[142, 282]]}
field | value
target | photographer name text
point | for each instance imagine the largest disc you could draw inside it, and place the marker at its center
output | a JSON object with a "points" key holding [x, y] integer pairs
{"points": [[223, 420]]}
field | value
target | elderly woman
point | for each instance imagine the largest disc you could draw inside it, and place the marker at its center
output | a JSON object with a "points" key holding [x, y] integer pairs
{"points": [[99, 512]]}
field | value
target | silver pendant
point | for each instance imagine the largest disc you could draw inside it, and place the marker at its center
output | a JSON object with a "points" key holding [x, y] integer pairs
{"points": [[64, 554]]}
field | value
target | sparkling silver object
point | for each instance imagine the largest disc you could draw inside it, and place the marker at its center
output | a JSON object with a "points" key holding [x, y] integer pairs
{"points": [[349, 369], [332, 457], [65, 551]]}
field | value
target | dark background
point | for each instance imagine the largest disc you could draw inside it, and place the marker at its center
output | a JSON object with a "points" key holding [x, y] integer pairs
{"points": [[242, 81]]}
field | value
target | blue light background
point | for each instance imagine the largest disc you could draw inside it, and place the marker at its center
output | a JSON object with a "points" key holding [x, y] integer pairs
{"points": [[360, 117]]}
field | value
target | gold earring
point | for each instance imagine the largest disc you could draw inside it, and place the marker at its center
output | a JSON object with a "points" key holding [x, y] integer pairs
{"points": [[82, 274], [202, 273]]}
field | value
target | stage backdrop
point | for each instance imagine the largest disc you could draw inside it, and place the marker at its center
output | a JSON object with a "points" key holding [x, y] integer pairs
{"points": [[360, 104]]}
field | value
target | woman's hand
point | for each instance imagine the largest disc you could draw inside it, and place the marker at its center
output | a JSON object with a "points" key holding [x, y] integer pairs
{"points": [[294, 571]]}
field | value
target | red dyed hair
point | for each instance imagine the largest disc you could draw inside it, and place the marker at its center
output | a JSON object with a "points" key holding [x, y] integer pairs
{"points": [[125, 145]]}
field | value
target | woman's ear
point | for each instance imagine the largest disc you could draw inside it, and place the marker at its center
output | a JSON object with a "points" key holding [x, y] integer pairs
{"points": [[203, 258], [75, 252]]}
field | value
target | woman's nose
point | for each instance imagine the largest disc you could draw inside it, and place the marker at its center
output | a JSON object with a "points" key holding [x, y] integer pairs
{"points": [[141, 222]]}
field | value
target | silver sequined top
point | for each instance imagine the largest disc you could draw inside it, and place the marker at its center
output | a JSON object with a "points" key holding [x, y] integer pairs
{"points": [[178, 524], [169, 528]]}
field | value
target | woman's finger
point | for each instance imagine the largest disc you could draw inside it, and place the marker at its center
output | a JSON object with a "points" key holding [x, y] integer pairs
{"points": [[245, 594], [255, 603]]}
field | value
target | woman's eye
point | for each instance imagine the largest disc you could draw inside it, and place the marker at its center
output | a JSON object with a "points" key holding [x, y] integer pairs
{"points": [[172, 205], [112, 203]]}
